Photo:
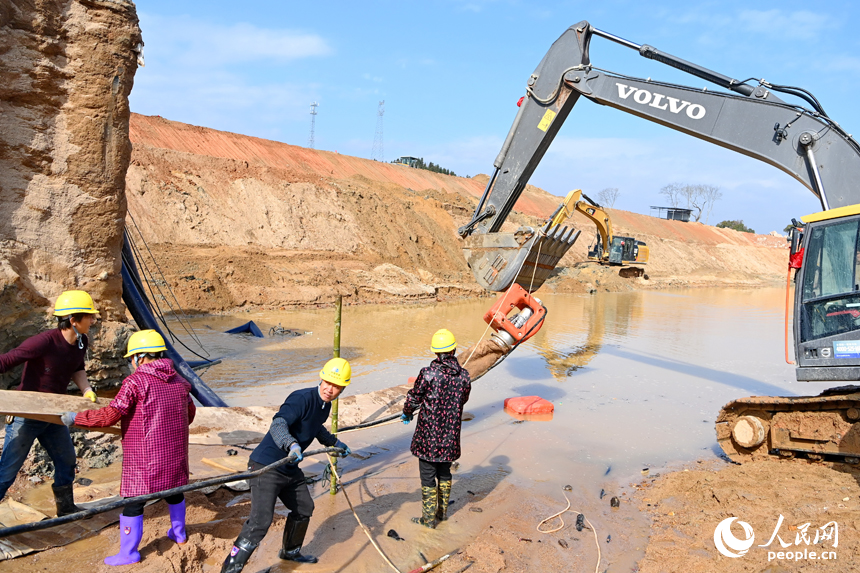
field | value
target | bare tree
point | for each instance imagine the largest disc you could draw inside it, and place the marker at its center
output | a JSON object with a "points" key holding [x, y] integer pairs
{"points": [[607, 197], [710, 194], [700, 197], [673, 193]]}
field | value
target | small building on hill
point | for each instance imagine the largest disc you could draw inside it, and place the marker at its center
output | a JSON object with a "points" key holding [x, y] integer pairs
{"points": [[406, 160], [672, 213]]}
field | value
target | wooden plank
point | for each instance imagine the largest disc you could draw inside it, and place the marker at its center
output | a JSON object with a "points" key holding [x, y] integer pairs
{"points": [[228, 464], [48, 407]]}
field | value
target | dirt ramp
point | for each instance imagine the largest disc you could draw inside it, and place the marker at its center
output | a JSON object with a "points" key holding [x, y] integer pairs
{"points": [[270, 232], [157, 132]]}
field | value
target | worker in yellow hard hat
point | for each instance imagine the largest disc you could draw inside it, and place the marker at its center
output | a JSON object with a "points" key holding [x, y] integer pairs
{"points": [[298, 422], [154, 408], [440, 391], [51, 359]]}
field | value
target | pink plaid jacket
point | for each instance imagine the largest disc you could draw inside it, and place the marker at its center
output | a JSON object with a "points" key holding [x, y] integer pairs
{"points": [[154, 403]]}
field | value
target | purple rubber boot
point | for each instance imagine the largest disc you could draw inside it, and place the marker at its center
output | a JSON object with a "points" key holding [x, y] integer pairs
{"points": [[177, 523], [130, 534]]}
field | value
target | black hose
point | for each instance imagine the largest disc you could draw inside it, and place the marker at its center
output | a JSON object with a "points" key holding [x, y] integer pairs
{"points": [[37, 525]]}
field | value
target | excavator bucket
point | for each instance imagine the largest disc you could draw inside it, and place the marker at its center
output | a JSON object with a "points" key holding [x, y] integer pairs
{"points": [[526, 257]]}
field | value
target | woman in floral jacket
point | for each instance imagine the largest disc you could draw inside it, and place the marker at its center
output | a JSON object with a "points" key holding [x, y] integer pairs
{"points": [[440, 391]]}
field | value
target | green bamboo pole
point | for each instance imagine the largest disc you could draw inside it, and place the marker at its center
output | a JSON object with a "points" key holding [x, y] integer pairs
{"points": [[338, 306]]}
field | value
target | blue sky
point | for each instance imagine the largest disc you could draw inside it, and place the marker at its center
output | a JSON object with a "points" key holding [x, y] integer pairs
{"points": [[450, 73]]}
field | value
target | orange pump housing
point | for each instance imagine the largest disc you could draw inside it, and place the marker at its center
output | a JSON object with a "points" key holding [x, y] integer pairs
{"points": [[519, 298]]}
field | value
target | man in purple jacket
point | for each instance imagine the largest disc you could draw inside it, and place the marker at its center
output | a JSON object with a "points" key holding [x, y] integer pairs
{"points": [[51, 359]]}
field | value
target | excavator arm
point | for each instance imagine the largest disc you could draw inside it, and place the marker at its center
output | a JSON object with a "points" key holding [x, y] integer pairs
{"points": [[750, 119]]}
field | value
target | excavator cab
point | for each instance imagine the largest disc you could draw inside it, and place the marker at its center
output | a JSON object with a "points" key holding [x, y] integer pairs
{"points": [[625, 250], [826, 349], [827, 298]]}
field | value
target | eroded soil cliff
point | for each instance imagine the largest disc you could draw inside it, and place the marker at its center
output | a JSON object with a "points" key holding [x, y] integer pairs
{"points": [[66, 70], [237, 222]]}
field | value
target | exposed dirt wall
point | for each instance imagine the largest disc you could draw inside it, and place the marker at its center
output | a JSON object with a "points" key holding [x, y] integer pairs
{"points": [[66, 69], [236, 221]]}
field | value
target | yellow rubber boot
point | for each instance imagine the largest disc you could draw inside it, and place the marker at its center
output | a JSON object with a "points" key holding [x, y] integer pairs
{"points": [[428, 508], [444, 496]]}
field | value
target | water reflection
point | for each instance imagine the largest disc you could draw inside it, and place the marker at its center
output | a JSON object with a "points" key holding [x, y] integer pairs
{"points": [[576, 328]]}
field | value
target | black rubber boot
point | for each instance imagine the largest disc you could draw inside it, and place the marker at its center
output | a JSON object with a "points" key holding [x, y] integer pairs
{"points": [[294, 536], [239, 555], [428, 508], [65, 500]]}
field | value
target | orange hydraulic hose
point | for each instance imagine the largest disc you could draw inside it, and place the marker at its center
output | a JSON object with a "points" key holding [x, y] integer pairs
{"points": [[787, 298]]}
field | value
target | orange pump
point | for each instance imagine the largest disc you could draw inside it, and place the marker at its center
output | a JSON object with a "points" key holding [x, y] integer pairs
{"points": [[520, 327]]}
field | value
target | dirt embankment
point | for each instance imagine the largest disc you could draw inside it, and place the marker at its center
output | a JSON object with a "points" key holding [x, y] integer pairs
{"points": [[236, 221], [66, 69]]}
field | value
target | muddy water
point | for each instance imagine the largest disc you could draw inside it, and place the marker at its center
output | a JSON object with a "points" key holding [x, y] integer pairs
{"points": [[637, 378]]}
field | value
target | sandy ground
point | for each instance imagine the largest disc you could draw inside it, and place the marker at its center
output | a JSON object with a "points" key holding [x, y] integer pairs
{"points": [[687, 506], [492, 523], [665, 522]]}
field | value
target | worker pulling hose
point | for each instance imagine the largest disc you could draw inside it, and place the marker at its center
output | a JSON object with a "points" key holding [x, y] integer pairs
{"points": [[298, 422]]}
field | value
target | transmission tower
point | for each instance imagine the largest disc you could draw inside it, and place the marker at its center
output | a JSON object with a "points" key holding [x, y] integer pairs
{"points": [[378, 152], [314, 106]]}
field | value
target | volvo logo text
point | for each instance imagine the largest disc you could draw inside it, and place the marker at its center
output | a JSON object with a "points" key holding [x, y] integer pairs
{"points": [[662, 102]]}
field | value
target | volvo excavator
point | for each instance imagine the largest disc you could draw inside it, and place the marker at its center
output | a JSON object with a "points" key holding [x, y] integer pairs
{"points": [[749, 117]]}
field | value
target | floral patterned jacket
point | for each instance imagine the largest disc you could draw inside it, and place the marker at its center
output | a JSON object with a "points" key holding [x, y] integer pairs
{"points": [[440, 391]]}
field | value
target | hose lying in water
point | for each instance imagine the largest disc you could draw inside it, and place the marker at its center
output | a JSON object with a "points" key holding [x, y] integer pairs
{"points": [[37, 525]]}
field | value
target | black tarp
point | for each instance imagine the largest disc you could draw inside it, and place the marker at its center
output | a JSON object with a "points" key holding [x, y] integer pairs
{"points": [[139, 307], [247, 328]]}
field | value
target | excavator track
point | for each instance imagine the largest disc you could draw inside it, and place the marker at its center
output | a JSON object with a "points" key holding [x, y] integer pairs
{"points": [[818, 428]]}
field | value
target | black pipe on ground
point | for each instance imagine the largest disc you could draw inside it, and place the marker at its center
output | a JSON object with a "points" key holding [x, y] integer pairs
{"points": [[45, 524]]}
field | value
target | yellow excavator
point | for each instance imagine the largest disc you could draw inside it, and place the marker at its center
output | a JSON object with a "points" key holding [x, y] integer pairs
{"points": [[608, 249]]}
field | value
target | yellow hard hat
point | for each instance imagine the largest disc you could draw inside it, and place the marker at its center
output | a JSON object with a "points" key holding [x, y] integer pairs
{"points": [[144, 342], [443, 341], [74, 302], [337, 371]]}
